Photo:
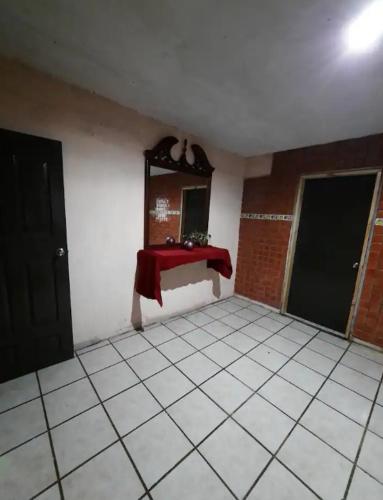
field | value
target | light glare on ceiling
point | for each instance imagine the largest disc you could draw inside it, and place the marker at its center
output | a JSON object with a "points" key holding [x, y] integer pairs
{"points": [[365, 31]]}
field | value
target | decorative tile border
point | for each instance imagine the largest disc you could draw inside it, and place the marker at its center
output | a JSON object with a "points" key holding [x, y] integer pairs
{"points": [[278, 217], [288, 218]]}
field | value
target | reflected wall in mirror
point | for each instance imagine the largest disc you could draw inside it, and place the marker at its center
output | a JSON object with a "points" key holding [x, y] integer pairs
{"points": [[178, 205], [177, 193]]}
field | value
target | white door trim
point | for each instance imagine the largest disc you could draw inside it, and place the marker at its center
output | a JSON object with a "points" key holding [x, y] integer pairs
{"points": [[366, 244]]}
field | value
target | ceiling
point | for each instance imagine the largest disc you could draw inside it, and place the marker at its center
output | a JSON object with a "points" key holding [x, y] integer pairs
{"points": [[250, 76]]}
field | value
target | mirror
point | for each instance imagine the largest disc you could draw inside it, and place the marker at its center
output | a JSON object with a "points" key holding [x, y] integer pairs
{"points": [[178, 205], [177, 194]]}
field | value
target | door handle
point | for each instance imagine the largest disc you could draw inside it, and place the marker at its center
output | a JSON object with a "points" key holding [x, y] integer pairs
{"points": [[60, 252], [355, 265]]}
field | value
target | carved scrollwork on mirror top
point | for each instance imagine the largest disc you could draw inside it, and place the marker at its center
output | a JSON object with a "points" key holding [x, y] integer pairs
{"points": [[160, 156], [177, 193]]}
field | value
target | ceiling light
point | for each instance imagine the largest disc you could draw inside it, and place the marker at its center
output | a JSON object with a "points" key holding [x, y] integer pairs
{"points": [[365, 30]]}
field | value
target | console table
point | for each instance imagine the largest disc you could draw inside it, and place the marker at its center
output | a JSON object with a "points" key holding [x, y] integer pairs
{"points": [[151, 261]]}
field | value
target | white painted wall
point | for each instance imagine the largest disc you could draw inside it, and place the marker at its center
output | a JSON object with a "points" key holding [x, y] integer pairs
{"points": [[224, 219], [258, 166], [103, 146]]}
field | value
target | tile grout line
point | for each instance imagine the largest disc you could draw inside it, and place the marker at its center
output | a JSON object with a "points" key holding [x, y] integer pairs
{"points": [[336, 362], [176, 401], [244, 402], [75, 356], [201, 327], [332, 380], [47, 488], [290, 358], [228, 415], [216, 340], [324, 403], [153, 325], [216, 304], [20, 404], [272, 333], [362, 442], [194, 447], [181, 359], [254, 391], [222, 339], [197, 386], [24, 442], [50, 440], [246, 353], [341, 364], [365, 357], [91, 458], [221, 369], [294, 427], [145, 350], [118, 435]]}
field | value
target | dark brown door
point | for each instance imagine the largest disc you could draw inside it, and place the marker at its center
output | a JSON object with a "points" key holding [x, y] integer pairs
{"points": [[329, 245], [35, 316]]}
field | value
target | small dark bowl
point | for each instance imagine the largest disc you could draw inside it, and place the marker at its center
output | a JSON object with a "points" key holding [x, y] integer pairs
{"points": [[170, 240], [188, 245]]}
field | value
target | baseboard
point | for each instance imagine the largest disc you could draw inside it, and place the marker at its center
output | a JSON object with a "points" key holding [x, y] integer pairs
{"points": [[352, 338], [266, 306], [367, 344]]}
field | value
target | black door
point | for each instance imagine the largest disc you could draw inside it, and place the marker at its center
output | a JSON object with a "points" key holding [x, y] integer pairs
{"points": [[35, 317], [330, 238], [194, 214]]}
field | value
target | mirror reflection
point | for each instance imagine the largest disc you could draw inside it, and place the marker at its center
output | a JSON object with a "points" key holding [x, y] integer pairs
{"points": [[178, 205]]}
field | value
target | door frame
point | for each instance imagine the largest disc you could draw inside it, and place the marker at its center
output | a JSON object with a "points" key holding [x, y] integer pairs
{"points": [[53, 149], [183, 189], [365, 249]]}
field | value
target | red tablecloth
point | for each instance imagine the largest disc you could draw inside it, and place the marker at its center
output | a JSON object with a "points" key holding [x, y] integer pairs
{"points": [[153, 260]]}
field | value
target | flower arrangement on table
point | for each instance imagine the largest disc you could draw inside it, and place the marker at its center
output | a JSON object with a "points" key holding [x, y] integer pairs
{"points": [[195, 238], [199, 238]]}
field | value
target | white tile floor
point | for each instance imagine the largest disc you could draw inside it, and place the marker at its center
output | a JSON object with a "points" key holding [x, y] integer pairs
{"points": [[231, 401]]}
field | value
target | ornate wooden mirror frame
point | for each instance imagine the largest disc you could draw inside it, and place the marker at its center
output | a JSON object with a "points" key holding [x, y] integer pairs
{"points": [[160, 156]]}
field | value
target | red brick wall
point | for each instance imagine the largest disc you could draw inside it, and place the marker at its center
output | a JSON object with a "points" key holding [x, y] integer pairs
{"points": [[169, 186], [263, 244]]}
